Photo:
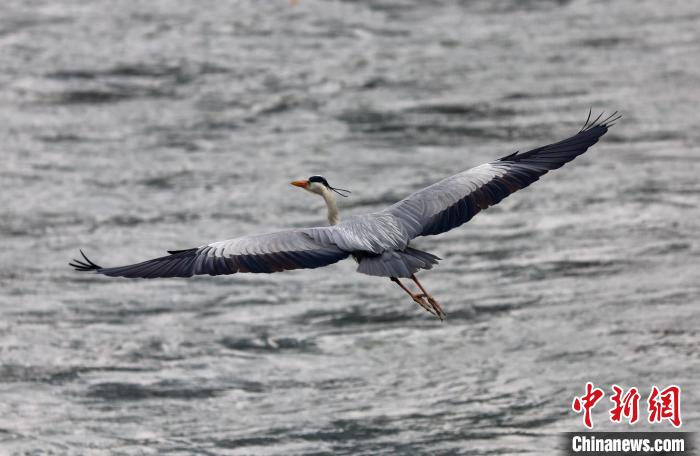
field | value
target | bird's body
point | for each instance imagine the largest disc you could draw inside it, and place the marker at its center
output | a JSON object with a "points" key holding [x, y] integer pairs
{"points": [[379, 241]]}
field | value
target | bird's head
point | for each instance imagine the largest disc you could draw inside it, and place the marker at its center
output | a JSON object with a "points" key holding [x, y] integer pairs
{"points": [[319, 185]]}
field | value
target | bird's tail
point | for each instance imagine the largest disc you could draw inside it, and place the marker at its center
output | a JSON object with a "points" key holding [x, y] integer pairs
{"points": [[397, 263]]}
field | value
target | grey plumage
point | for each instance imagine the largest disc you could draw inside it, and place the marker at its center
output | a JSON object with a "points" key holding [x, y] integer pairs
{"points": [[396, 263], [380, 240], [456, 199], [272, 252]]}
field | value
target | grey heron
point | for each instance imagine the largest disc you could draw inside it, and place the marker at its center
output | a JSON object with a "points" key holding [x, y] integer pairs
{"points": [[379, 241]]}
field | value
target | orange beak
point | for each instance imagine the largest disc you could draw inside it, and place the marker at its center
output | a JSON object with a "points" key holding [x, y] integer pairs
{"points": [[302, 183]]}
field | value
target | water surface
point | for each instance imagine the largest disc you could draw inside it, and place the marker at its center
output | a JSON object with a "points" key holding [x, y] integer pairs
{"points": [[135, 128]]}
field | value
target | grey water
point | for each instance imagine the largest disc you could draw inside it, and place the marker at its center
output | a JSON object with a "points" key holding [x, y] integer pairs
{"points": [[131, 128]]}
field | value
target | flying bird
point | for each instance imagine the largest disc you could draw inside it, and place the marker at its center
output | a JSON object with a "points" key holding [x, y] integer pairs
{"points": [[379, 241]]}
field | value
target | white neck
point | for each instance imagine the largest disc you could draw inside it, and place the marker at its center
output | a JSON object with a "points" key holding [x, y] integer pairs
{"points": [[329, 198]]}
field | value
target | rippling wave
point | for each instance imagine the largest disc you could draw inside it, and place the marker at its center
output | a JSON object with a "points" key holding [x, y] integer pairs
{"points": [[131, 130]]}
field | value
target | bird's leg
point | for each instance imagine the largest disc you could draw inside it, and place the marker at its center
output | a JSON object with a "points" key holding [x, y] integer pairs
{"points": [[436, 305], [418, 298]]}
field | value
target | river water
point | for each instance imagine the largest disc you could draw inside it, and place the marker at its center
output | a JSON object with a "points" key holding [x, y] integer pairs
{"points": [[130, 128]]}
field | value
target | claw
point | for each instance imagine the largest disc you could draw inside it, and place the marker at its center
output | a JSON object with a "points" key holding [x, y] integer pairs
{"points": [[431, 306], [420, 300], [438, 308]]}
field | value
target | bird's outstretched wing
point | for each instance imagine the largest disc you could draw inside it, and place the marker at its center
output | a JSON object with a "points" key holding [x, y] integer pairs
{"points": [[456, 199], [273, 252]]}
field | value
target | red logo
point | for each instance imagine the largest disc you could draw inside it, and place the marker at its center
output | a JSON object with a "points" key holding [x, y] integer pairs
{"points": [[661, 405], [665, 405], [586, 402], [625, 406]]}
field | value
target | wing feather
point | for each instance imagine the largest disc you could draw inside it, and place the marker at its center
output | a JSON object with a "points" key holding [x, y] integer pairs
{"points": [[266, 253], [456, 199]]}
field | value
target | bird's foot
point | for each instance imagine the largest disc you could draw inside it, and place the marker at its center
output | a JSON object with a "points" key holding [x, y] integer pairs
{"points": [[437, 307], [420, 299]]}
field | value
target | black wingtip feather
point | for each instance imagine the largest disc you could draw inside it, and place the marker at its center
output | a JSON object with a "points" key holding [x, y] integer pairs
{"points": [[590, 111], [175, 252], [588, 125], [605, 123], [86, 265]]}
